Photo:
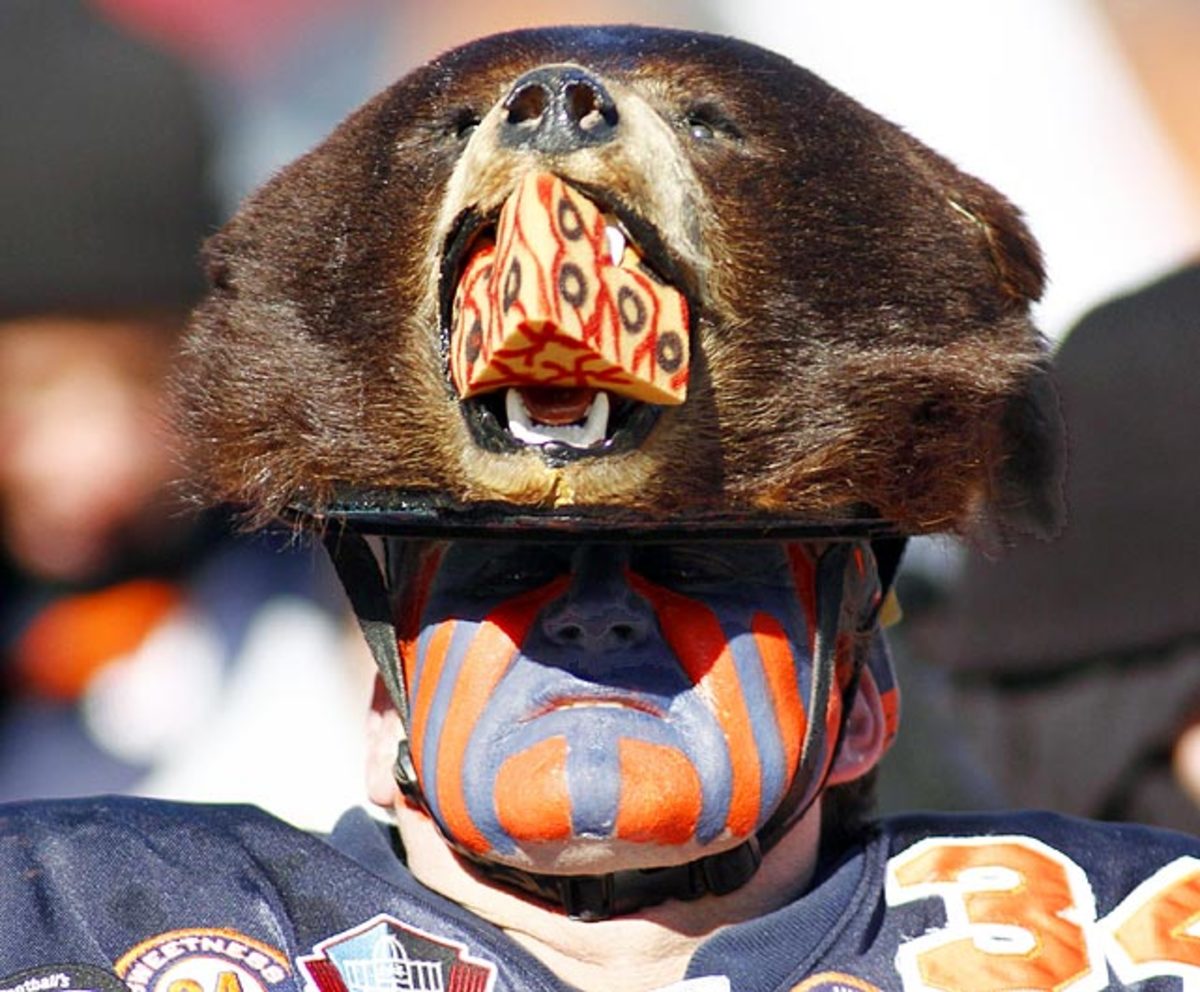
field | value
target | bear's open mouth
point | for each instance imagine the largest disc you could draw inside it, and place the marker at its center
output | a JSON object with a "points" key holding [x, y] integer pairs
{"points": [[562, 331], [512, 419]]}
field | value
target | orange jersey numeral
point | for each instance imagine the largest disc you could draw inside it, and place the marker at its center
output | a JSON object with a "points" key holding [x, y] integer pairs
{"points": [[1156, 929], [1020, 915]]}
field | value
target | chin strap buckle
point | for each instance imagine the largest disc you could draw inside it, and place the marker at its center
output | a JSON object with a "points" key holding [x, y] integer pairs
{"points": [[730, 870], [587, 897], [405, 772]]}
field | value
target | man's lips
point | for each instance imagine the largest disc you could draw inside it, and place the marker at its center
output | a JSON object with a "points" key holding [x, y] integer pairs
{"points": [[596, 701]]}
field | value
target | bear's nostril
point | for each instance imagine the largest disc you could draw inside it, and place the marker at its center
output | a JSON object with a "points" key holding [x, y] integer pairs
{"points": [[586, 106], [527, 104]]}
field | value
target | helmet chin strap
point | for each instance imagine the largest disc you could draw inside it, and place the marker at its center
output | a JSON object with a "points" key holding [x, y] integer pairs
{"points": [[599, 897], [362, 578], [810, 778]]}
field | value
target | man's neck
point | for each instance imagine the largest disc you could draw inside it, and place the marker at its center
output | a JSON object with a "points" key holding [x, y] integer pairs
{"points": [[637, 953]]}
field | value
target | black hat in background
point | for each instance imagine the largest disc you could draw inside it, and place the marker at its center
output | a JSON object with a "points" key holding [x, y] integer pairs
{"points": [[1124, 576], [104, 156]]}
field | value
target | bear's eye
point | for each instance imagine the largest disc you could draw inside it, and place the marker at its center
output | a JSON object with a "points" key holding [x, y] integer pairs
{"points": [[463, 123], [706, 122]]}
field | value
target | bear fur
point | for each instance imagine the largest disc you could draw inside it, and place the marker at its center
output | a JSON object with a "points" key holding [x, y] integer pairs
{"points": [[861, 337]]}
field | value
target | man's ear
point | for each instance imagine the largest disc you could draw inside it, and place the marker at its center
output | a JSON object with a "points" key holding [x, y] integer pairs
{"points": [[384, 731], [865, 736]]}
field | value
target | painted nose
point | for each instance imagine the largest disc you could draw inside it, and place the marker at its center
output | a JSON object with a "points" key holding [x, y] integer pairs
{"points": [[558, 109], [599, 611]]}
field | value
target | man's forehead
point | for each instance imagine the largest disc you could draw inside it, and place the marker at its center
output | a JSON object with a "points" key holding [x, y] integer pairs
{"points": [[482, 548], [451, 562]]}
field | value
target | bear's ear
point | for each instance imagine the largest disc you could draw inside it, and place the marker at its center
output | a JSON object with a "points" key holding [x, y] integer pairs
{"points": [[1027, 496], [1017, 259], [1024, 494], [999, 227], [1026, 488]]}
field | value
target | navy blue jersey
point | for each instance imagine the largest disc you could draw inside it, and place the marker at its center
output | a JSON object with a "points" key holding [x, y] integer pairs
{"points": [[119, 894]]}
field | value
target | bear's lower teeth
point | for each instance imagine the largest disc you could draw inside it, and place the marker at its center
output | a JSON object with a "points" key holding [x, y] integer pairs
{"points": [[592, 431]]}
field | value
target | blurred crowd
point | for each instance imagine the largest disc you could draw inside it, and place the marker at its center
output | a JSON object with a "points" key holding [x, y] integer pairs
{"points": [[146, 647]]}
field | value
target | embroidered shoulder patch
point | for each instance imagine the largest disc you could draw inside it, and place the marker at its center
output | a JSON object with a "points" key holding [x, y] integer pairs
{"points": [[204, 961], [385, 955]]}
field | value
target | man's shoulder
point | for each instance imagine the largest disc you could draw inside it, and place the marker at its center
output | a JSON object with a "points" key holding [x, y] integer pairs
{"points": [[90, 879], [81, 830], [134, 895]]}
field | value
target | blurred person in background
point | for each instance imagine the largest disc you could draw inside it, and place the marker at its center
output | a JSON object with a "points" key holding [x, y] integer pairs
{"points": [[126, 623]]}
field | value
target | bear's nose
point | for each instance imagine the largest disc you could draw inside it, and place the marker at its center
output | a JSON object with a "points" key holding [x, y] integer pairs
{"points": [[558, 108]]}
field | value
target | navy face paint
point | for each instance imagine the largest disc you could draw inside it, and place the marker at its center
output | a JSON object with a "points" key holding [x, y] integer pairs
{"points": [[648, 696]]}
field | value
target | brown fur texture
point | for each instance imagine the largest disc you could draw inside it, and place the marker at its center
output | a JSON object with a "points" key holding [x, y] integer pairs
{"points": [[861, 330]]}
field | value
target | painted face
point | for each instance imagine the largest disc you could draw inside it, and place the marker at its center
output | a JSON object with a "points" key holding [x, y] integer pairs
{"points": [[572, 701]]}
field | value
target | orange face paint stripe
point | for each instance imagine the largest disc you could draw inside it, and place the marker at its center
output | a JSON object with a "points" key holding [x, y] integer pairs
{"points": [[695, 635], [491, 651], [890, 701], [539, 776], [431, 675], [408, 616], [639, 817], [843, 656], [779, 667]]}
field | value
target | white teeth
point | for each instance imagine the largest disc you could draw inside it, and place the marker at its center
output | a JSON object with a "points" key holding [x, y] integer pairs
{"points": [[521, 426], [616, 243]]}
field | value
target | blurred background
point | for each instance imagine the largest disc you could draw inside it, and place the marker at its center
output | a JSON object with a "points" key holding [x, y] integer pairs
{"points": [[145, 649]]}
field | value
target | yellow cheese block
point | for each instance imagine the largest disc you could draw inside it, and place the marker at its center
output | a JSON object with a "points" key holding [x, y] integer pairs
{"points": [[544, 304]]}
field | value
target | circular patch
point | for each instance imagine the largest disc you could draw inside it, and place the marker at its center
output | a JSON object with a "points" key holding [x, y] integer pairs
{"points": [[834, 981], [512, 285], [632, 310], [569, 220], [62, 978], [669, 352], [474, 342], [204, 961], [572, 287]]}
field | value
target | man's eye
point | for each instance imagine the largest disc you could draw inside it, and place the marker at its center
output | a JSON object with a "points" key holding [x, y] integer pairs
{"points": [[506, 575], [678, 568]]}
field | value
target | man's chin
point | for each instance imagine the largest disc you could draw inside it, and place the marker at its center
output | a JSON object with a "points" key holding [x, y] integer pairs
{"points": [[600, 856]]}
